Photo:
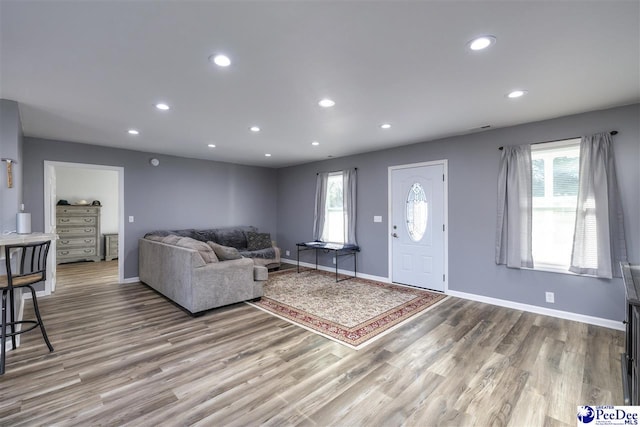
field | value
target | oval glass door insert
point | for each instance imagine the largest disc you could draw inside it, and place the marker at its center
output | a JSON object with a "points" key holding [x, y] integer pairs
{"points": [[416, 213]]}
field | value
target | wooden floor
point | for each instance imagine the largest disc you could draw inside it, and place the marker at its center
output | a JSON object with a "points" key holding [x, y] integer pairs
{"points": [[125, 356]]}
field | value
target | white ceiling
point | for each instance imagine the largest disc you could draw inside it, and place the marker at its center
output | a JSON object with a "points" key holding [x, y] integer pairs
{"points": [[88, 71]]}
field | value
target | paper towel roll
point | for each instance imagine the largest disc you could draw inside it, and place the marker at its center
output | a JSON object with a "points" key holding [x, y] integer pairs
{"points": [[23, 223]]}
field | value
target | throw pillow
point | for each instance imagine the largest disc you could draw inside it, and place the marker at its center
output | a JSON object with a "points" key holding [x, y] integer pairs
{"points": [[224, 253], [208, 255], [257, 241]]}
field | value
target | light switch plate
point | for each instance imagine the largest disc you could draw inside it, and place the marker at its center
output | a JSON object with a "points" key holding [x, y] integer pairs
{"points": [[377, 218], [131, 218]]}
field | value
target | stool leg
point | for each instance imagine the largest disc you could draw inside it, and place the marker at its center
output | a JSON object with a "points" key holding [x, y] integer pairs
{"points": [[12, 306], [3, 340], [35, 307]]}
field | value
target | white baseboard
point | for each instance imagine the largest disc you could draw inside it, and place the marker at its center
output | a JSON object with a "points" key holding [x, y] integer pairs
{"points": [[591, 320], [130, 280]]}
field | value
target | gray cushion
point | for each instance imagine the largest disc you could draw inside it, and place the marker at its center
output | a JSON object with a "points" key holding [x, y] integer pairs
{"points": [[231, 237], [171, 239], [224, 253], [268, 253], [257, 241], [205, 251], [189, 232]]}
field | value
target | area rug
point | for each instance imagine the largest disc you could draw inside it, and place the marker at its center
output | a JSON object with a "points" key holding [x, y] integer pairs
{"points": [[353, 312]]}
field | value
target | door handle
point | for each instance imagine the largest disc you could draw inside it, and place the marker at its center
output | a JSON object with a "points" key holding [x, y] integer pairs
{"points": [[395, 235]]}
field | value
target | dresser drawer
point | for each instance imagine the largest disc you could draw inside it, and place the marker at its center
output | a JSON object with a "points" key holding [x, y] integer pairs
{"points": [[64, 232], [78, 210], [69, 243], [75, 252], [77, 221]]}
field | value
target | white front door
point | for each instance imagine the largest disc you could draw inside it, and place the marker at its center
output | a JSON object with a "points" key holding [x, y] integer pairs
{"points": [[418, 226]]}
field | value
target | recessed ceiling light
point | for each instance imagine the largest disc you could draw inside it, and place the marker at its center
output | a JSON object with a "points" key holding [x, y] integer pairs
{"points": [[516, 93], [133, 132], [162, 106], [254, 129], [220, 60], [385, 126], [211, 145], [315, 143], [326, 102], [481, 43], [267, 155]]}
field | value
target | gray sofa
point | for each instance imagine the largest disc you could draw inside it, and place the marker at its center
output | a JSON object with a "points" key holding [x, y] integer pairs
{"points": [[181, 274], [245, 238]]}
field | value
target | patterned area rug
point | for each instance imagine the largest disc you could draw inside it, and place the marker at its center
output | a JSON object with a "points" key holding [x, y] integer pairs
{"points": [[353, 312]]}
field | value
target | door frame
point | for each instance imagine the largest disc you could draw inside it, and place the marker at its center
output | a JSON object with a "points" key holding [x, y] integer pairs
{"points": [[445, 184], [50, 205]]}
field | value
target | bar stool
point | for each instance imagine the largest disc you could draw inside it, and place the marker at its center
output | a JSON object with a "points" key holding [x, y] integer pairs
{"points": [[31, 268]]}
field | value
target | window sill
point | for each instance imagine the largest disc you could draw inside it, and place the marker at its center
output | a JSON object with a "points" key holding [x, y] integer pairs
{"points": [[547, 268]]}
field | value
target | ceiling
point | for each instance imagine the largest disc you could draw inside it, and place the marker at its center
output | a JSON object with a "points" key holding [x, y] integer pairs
{"points": [[89, 71]]}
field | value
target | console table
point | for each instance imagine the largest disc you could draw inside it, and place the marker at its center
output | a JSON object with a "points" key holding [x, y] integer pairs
{"points": [[338, 251]]}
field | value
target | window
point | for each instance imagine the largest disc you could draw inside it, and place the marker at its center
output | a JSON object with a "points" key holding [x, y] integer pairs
{"points": [[335, 215], [416, 212], [554, 186], [334, 218]]}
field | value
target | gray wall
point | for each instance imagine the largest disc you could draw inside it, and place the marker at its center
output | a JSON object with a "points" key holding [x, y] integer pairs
{"points": [[11, 148], [473, 166], [180, 193]]}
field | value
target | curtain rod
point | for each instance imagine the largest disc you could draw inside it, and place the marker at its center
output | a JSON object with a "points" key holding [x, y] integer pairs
{"points": [[613, 132], [318, 173]]}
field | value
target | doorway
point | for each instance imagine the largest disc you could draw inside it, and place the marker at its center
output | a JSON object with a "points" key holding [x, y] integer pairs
{"points": [[53, 171], [418, 225]]}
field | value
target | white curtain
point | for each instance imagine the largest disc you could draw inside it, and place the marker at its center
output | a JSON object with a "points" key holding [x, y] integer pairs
{"points": [[349, 178], [321, 202], [598, 242], [513, 229]]}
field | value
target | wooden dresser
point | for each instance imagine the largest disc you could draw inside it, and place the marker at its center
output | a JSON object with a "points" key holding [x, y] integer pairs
{"points": [[110, 246], [78, 230]]}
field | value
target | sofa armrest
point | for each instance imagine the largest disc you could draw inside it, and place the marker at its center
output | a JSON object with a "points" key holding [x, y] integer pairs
{"points": [[222, 283], [168, 269]]}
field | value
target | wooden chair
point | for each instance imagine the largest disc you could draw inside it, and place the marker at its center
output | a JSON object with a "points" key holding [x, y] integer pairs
{"points": [[31, 268]]}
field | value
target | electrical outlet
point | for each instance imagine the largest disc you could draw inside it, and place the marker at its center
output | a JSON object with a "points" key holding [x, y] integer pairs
{"points": [[334, 260], [287, 253], [550, 297]]}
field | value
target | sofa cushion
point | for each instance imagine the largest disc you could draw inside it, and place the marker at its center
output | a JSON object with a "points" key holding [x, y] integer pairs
{"points": [[205, 251], [189, 232], [171, 239], [207, 235], [224, 253], [233, 237], [268, 253], [257, 241]]}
